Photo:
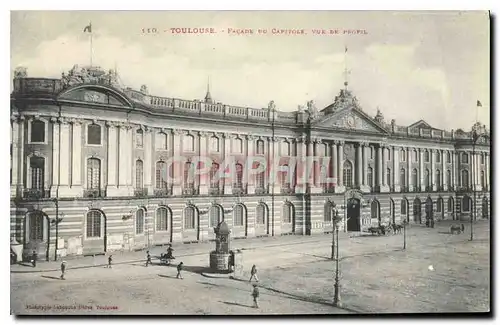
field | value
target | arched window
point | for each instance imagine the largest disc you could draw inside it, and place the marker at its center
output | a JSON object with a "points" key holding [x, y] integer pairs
{"points": [[94, 224], [260, 214], [214, 177], [465, 178], [448, 178], [439, 205], [448, 157], [238, 145], [239, 176], [388, 153], [189, 142], [371, 152], [426, 156], [93, 173], [37, 131], [284, 178], [466, 204], [402, 155], [482, 179], [375, 210], [259, 177], [188, 175], [260, 147], [414, 177], [139, 222], [214, 144], [36, 226], [404, 206], [402, 177], [139, 138], [482, 159], [139, 174], [215, 215], [161, 175], [465, 158], [347, 176], [417, 210], [438, 156], [238, 215], [328, 213], [37, 170], [189, 218], [161, 219], [427, 179], [450, 204], [388, 176], [369, 175], [415, 155], [438, 178], [287, 213], [94, 134], [161, 140]]}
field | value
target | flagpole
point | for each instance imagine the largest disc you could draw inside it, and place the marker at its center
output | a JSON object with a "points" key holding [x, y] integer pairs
{"points": [[91, 47]]}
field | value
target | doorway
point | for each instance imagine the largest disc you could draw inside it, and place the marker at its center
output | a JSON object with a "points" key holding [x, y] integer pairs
{"points": [[353, 215]]}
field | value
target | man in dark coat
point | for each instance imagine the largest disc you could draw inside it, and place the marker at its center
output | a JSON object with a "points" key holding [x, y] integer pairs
{"points": [[179, 269], [253, 274], [148, 259], [63, 269], [110, 260], [255, 295], [34, 257]]}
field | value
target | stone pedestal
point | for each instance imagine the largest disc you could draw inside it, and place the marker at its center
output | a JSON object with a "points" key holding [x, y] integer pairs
{"points": [[219, 262]]}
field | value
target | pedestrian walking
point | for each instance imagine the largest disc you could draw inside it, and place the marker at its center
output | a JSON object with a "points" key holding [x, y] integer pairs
{"points": [[63, 269], [110, 260], [462, 227], [253, 273], [34, 257], [148, 259], [255, 295], [179, 269]]}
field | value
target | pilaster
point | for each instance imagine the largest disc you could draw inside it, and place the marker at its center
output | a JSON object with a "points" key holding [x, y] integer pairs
{"points": [[148, 161], [433, 169], [340, 167], [204, 179], [64, 153], [228, 181]]}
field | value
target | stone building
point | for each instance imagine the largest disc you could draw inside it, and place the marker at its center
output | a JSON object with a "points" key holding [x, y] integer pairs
{"points": [[88, 166]]}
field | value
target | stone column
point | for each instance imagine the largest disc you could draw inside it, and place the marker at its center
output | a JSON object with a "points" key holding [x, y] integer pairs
{"points": [[177, 175], [64, 152], [409, 153], [204, 178], [454, 171], [250, 180], [274, 164], [359, 165], [380, 175], [340, 167], [444, 173], [487, 171], [385, 186], [396, 169], [228, 181], [302, 160], [130, 161], [478, 170], [364, 148], [314, 182], [422, 174], [55, 157], [335, 163], [113, 167], [433, 169], [15, 156], [148, 163], [76, 159]]}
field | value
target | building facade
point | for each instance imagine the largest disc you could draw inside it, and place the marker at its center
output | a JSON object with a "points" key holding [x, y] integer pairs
{"points": [[89, 165]]}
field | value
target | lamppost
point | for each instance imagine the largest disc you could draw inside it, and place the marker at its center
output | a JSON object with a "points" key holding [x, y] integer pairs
{"points": [[478, 131], [336, 298]]}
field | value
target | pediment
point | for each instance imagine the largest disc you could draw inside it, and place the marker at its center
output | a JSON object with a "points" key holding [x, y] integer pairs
{"points": [[350, 119], [421, 125], [95, 95]]}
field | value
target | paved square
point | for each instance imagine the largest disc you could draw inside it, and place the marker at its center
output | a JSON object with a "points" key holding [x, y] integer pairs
{"points": [[295, 278]]}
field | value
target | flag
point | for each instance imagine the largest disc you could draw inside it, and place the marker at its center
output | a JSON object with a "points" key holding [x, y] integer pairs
{"points": [[88, 28], [479, 104]]}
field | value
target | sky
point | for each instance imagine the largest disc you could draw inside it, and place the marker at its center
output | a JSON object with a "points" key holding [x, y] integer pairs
{"points": [[433, 66]]}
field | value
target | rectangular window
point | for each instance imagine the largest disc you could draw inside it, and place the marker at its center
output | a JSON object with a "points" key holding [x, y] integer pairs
{"points": [[94, 134]]}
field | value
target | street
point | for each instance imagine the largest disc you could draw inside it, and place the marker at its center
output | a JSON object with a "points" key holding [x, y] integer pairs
{"points": [[377, 276]]}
